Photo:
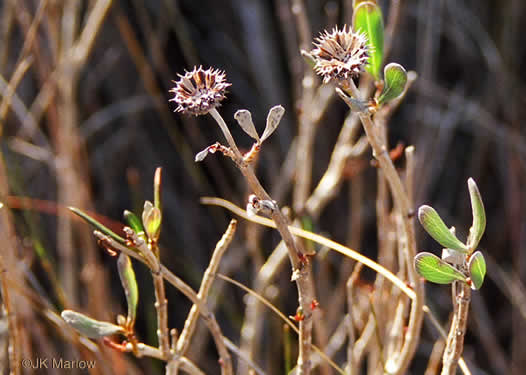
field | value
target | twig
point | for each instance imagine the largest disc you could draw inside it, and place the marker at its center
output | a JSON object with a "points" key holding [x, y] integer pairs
{"points": [[153, 264], [283, 317], [434, 358], [307, 127], [350, 319], [208, 316], [149, 351], [404, 207], [189, 326], [86, 40], [19, 73], [12, 322], [233, 348], [455, 339], [302, 272], [161, 305]]}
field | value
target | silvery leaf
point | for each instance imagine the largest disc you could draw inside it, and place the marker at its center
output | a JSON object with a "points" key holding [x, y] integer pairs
{"points": [[244, 119], [274, 117]]}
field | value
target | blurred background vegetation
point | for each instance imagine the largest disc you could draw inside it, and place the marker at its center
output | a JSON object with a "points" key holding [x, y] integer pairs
{"points": [[85, 120]]}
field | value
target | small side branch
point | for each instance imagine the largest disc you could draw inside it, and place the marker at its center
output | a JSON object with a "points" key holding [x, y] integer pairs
{"points": [[189, 327]]}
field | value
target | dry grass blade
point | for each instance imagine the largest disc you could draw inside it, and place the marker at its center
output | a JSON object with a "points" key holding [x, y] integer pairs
{"points": [[282, 317]]}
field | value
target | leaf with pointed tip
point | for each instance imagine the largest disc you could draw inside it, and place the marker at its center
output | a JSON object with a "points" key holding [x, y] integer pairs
{"points": [[436, 228], [244, 119], [368, 18], [395, 79], [97, 224], [274, 117], [479, 216], [435, 270], [201, 155], [89, 327], [151, 219], [157, 188], [129, 284], [477, 269]]}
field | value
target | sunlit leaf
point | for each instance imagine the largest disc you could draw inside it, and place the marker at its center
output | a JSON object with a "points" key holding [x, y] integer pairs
{"points": [[201, 155], [89, 327], [151, 220], [157, 188], [97, 224], [479, 216], [368, 18], [274, 117], [436, 228], [395, 79], [244, 119], [477, 269], [129, 284], [435, 270]]}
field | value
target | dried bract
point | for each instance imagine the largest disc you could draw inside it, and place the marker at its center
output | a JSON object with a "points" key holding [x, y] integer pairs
{"points": [[340, 54], [198, 91]]}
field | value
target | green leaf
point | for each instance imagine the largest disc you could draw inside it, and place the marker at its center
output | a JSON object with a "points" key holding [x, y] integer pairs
{"points": [[477, 269], [135, 223], [89, 327], [368, 18], [479, 216], [157, 184], [129, 284], [436, 228], [434, 269], [97, 224], [151, 219], [395, 79]]}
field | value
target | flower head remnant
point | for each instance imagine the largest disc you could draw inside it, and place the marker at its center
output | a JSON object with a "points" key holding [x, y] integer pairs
{"points": [[340, 54], [199, 91]]}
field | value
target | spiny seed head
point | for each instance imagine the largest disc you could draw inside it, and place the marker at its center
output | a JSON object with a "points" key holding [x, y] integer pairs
{"points": [[340, 54], [199, 90]]}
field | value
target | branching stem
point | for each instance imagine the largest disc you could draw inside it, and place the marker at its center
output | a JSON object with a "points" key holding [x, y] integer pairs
{"points": [[302, 271], [403, 205]]}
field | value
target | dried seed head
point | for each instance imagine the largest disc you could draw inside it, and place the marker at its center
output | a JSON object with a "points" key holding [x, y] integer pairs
{"points": [[340, 54], [198, 91]]}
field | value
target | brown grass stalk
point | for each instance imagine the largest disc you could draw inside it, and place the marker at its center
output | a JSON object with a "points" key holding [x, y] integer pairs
{"points": [[208, 278]]}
